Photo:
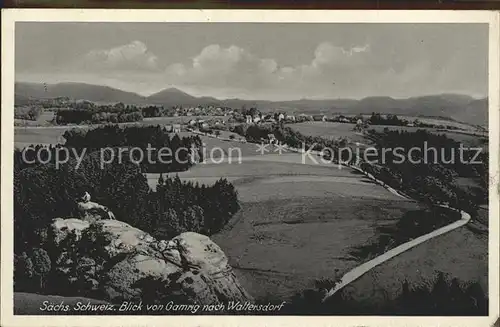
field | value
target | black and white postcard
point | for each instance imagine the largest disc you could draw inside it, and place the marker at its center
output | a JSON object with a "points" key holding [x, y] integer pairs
{"points": [[207, 168]]}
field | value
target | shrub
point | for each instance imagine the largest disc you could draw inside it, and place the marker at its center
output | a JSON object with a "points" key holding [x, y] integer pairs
{"points": [[41, 265]]}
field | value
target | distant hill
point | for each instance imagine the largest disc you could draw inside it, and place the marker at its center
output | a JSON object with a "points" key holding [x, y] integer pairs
{"points": [[77, 91], [174, 97], [454, 106]]}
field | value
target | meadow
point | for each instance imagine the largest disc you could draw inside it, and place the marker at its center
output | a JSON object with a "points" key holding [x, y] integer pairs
{"points": [[297, 222], [24, 135], [461, 253], [429, 120], [329, 130], [334, 130]]}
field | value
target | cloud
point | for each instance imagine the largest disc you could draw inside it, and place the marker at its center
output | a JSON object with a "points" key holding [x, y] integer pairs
{"points": [[216, 65], [132, 56], [332, 71], [235, 68]]}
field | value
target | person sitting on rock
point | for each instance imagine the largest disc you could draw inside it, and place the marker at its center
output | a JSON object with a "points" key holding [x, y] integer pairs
{"points": [[92, 211], [85, 197]]}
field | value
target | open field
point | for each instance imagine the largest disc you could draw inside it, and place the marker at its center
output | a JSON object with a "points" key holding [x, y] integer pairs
{"points": [[290, 210], [467, 139], [331, 130], [280, 247], [461, 253], [335, 130], [24, 136], [27, 136], [428, 120], [179, 119]]}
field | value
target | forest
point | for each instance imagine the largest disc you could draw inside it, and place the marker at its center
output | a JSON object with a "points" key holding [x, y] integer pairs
{"points": [[44, 191]]}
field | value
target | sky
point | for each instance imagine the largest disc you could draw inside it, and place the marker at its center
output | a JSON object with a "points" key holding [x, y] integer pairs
{"points": [[267, 61]]}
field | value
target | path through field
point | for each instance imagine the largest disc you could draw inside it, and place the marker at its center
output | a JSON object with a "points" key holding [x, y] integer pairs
{"points": [[298, 222]]}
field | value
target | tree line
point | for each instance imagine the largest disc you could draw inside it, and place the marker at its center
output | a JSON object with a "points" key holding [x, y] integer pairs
{"points": [[431, 175], [88, 112], [166, 153], [160, 151], [27, 113]]}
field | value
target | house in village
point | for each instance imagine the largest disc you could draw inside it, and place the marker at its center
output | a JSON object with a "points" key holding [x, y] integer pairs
{"points": [[176, 128], [281, 117], [290, 118], [197, 123], [249, 119]]}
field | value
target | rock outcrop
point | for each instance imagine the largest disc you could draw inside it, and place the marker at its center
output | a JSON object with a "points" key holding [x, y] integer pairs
{"points": [[120, 262], [92, 211], [62, 228]]}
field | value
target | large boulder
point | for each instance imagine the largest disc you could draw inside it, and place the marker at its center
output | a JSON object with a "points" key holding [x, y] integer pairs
{"points": [[129, 264], [92, 211], [62, 228]]}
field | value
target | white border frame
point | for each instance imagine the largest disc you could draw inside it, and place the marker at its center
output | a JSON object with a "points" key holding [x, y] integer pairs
{"points": [[10, 16]]}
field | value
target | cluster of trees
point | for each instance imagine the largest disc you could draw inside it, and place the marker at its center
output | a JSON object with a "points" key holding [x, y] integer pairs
{"points": [[157, 111], [166, 153], [186, 206], [430, 174], [43, 192], [31, 270], [27, 113], [391, 120], [250, 111], [394, 120], [239, 115], [412, 224], [291, 137], [77, 116]]}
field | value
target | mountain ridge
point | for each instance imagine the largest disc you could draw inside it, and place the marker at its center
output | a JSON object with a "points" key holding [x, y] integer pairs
{"points": [[455, 106]]}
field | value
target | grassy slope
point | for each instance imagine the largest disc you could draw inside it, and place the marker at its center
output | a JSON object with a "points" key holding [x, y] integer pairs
{"points": [[328, 130], [280, 246], [445, 253], [462, 253], [291, 231], [336, 130]]}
